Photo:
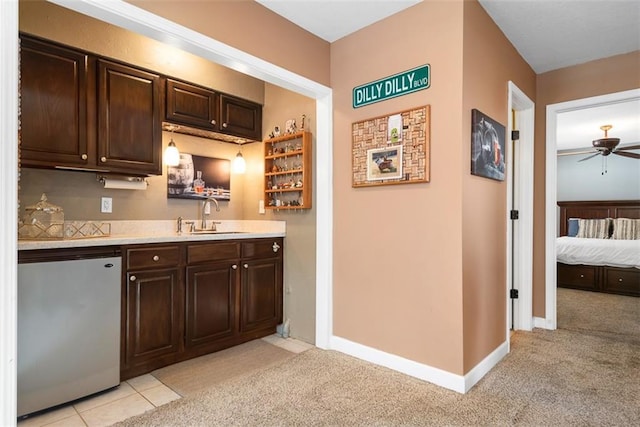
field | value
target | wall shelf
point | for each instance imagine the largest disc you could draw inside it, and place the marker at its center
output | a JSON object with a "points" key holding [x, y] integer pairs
{"points": [[287, 167]]}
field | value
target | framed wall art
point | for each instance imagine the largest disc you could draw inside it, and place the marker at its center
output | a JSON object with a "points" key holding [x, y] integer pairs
{"points": [[198, 177], [392, 149], [487, 146]]}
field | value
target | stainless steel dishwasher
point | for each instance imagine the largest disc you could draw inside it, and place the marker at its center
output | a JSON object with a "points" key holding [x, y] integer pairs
{"points": [[68, 329]]}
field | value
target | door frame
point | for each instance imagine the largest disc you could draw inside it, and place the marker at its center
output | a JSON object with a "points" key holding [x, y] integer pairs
{"points": [[522, 236], [551, 190]]}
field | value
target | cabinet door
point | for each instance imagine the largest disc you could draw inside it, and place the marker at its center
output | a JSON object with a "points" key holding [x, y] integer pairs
{"points": [[153, 324], [240, 117], [210, 302], [260, 294], [191, 105], [130, 115], [54, 105]]}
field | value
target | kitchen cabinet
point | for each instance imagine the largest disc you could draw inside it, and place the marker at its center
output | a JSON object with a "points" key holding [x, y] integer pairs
{"points": [[191, 105], [195, 106], [130, 104], [55, 99], [261, 285], [240, 117], [212, 276], [185, 300], [81, 112], [152, 309], [287, 167]]}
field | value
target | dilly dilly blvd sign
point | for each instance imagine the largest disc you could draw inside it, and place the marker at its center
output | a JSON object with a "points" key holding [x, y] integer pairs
{"points": [[390, 87]]}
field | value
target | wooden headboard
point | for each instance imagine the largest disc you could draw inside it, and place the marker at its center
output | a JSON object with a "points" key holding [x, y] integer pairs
{"points": [[597, 209]]}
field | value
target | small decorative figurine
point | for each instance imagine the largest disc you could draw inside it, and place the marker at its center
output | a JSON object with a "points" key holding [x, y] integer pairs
{"points": [[290, 126], [276, 131]]}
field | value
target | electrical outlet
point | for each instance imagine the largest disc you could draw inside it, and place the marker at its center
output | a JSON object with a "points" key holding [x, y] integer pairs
{"points": [[106, 205], [261, 207]]}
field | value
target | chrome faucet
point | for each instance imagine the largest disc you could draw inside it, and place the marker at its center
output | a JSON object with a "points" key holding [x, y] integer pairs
{"points": [[204, 208]]}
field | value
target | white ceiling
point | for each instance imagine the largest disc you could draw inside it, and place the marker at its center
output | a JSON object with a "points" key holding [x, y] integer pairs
{"points": [[549, 34]]}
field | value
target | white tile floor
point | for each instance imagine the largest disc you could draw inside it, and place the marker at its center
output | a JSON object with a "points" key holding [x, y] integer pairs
{"points": [[132, 397]]}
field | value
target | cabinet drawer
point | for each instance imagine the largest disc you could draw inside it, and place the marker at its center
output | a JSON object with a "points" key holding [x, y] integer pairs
{"points": [[266, 248], [577, 276], [622, 281], [212, 252], [161, 256]]}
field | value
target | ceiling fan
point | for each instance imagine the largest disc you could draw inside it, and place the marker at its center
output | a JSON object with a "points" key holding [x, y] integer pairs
{"points": [[605, 146]]}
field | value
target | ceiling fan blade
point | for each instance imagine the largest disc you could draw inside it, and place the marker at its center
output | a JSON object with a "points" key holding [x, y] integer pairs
{"points": [[625, 154], [574, 153], [588, 157], [629, 147]]}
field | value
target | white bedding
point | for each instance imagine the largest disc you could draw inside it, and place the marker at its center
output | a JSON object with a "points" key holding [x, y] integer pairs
{"points": [[614, 253]]}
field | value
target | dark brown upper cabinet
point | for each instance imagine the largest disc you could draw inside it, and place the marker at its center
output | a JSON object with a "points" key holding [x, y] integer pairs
{"points": [[82, 112], [55, 101], [240, 117], [191, 105], [202, 108], [129, 119]]}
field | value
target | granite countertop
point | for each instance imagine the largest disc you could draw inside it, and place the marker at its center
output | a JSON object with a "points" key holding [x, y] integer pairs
{"points": [[139, 232]]}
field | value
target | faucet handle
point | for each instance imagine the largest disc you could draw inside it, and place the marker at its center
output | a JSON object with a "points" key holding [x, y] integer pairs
{"points": [[192, 226], [213, 225], [179, 224]]}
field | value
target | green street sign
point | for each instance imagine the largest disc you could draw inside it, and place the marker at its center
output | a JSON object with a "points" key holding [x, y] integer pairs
{"points": [[390, 87]]}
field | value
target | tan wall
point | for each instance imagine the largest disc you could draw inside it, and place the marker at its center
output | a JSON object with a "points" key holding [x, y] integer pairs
{"points": [[300, 244], [252, 28], [398, 249], [600, 77], [490, 61]]}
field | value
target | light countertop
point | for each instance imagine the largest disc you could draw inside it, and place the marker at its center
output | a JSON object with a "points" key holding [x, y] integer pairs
{"points": [[139, 232]]}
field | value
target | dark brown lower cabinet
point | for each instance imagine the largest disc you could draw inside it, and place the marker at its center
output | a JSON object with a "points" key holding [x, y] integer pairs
{"points": [[261, 295], [612, 280], [153, 324], [211, 303], [184, 300]]}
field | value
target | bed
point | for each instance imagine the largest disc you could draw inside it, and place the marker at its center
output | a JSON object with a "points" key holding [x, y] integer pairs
{"points": [[593, 260]]}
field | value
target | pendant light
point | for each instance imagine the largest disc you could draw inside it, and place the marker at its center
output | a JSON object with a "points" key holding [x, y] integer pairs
{"points": [[171, 154], [239, 164]]}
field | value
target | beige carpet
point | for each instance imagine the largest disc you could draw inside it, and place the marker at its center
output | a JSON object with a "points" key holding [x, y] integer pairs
{"points": [[599, 313], [191, 376], [550, 378]]}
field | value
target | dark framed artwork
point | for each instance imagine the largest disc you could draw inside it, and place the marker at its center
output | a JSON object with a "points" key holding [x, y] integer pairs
{"points": [[487, 146], [198, 177]]}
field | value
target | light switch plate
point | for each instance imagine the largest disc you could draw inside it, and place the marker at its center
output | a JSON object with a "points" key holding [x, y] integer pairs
{"points": [[261, 207], [106, 205]]}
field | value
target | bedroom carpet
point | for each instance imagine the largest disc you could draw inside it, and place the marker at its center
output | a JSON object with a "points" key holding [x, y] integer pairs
{"points": [[567, 377], [599, 313]]}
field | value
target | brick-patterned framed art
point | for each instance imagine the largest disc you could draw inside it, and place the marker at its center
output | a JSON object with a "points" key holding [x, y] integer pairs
{"points": [[392, 149]]}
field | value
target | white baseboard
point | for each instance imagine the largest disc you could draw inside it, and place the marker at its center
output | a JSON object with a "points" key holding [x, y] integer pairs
{"points": [[541, 322], [458, 383]]}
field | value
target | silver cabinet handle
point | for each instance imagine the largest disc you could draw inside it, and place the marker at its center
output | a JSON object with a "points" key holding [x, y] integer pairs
{"points": [[132, 278], [275, 247], [582, 276], [103, 159], [246, 266], [234, 266], [620, 279], [224, 125], [213, 122], [84, 157], [156, 258]]}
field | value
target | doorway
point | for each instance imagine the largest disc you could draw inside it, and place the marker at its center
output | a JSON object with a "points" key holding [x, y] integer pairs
{"points": [[520, 198], [551, 196]]}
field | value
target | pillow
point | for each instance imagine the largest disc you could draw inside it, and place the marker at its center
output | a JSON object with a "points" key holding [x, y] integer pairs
{"points": [[626, 229], [573, 227], [594, 228]]}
